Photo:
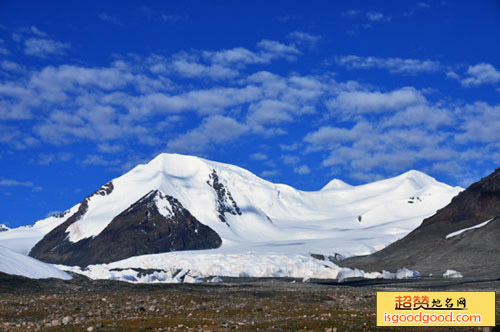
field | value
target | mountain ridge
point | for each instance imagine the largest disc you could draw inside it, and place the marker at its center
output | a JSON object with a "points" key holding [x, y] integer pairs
{"points": [[250, 213], [463, 236]]}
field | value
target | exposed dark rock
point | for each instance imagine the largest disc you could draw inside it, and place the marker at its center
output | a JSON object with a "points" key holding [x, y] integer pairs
{"points": [[3, 228], [473, 253], [225, 201], [105, 190], [61, 214], [140, 229], [336, 258]]}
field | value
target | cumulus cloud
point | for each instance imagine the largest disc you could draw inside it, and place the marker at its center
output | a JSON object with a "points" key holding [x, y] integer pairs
{"points": [[393, 65], [43, 47], [375, 16], [216, 129], [194, 69], [351, 13], [290, 159], [258, 156], [15, 183], [268, 50], [302, 170], [376, 101], [49, 158], [481, 123], [482, 73], [430, 116], [108, 18], [3, 49], [11, 66], [329, 136], [98, 160], [301, 37], [158, 100]]}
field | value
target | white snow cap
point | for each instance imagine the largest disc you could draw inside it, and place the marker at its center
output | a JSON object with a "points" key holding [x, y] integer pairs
{"points": [[15, 263], [275, 218], [336, 184]]}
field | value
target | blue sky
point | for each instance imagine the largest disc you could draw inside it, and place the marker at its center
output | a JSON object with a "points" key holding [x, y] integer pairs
{"points": [[298, 93]]}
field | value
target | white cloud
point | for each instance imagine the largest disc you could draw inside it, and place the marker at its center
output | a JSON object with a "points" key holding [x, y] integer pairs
{"points": [[11, 66], [47, 159], [108, 18], [351, 13], [329, 136], [376, 102], [301, 37], [193, 69], [98, 160], [290, 159], [354, 127], [43, 47], [258, 156], [480, 123], [269, 50], [270, 112], [216, 129], [433, 117], [393, 65], [109, 148], [482, 73], [34, 30], [302, 170], [274, 48], [375, 16], [15, 183], [3, 49]]}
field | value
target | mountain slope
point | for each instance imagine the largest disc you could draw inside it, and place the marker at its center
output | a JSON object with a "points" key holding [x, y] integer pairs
{"points": [[463, 236], [155, 223], [15, 263], [249, 213]]}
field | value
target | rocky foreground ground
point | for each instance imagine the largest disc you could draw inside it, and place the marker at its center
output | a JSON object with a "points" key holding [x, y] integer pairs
{"points": [[234, 305]]}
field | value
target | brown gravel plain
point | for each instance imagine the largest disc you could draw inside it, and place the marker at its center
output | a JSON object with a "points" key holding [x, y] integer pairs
{"points": [[234, 305]]}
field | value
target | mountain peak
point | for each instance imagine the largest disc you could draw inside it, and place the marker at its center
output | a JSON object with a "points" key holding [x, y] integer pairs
{"points": [[417, 178], [3, 228], [336, 184]]}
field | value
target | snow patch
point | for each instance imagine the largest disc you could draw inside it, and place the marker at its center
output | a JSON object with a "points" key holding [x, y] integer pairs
{"points": [[163, 205], [468, 229], [15, 263], [452, 274], [193, 267]]}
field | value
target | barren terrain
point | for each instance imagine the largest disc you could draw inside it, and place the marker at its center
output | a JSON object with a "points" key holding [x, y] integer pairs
{"points": [[239, 304]]}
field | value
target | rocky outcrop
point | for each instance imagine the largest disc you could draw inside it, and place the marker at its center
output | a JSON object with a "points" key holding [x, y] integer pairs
{"points": [[474, 252], [225, 202], [155, 223]]}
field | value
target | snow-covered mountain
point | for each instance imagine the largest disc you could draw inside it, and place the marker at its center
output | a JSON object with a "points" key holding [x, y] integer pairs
{"points": [[3, 228], [245, 211], [12, 262], [462, 236]]}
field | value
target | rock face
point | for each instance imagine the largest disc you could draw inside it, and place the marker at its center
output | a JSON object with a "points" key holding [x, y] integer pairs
{"points": [[225, 201], [155, 223], [432, 248]]}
